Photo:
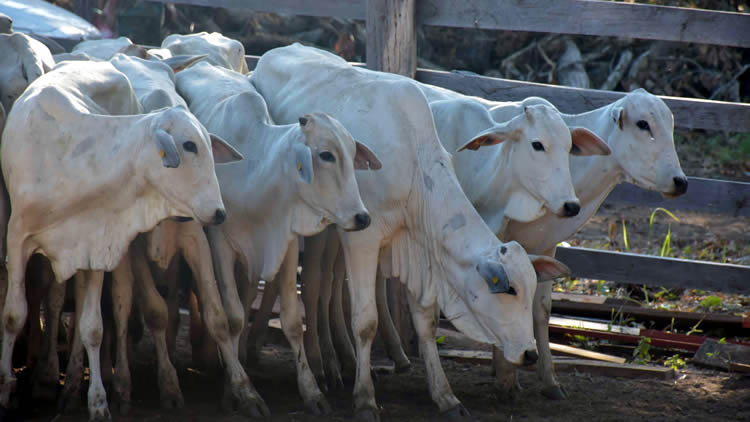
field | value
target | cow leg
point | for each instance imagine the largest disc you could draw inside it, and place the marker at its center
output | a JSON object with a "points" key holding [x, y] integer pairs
{"points": [[291, 323], [425, 324], [70, 399], [361, 264], [156, 314], [388, 330], [122, 302], [310, 278], [238, 386], [331, 362], [91, 329], [37, 283], [171, 279], [542, 307], [506, 376], [47, 371], [256, 337], [341, 338], [14, 312]]}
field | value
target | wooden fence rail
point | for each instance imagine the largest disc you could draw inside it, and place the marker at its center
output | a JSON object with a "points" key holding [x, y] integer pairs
{"points": [[585, 17], [688, 113]]}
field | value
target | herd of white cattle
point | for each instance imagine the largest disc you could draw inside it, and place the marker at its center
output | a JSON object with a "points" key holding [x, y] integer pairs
{"points": [[120, 159]]}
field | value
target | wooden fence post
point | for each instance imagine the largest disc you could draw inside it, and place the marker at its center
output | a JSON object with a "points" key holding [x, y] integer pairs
{"points": [[392, 47]]}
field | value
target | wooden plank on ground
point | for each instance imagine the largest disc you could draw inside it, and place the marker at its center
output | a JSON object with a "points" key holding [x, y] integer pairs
{"points": [[563, 364], [705, 195], [605, 18], [654, 270], [578, 298], [589, 325], [563, 349], [586, 17], [688, 113], [623, 370]]}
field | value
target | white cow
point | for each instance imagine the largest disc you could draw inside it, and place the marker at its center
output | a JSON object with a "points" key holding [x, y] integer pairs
{"points": [[101, 49], [303, 182], [85, 177], [638, 130], [220, 50], [423, 231], [524, 178]]}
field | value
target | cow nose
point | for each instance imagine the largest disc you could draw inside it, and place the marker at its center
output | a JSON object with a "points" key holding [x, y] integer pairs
{"points": [[220, 216], [362, 220], [570, 209], [530, 357], [680, 185]]}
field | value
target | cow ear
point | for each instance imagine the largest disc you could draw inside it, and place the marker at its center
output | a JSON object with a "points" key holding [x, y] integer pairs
{"points": [[178, 63], [618, 114], [167, 149], [303, 162], [507, 131], [586, 142], [365, 159], [548, 268], [222, 151]]}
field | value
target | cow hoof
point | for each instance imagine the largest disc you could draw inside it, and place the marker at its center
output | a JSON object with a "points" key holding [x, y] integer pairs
{"points": [[367, 414], [457, 413], [99, 415], [555, 392], [318, 406], [322, 383], [508, 392], [335, 383], [403, 367], [254, 407], [172, 401], [121, 407]]}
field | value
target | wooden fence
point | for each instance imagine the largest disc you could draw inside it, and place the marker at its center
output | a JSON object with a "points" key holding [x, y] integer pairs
{"points": [[588, 17]]}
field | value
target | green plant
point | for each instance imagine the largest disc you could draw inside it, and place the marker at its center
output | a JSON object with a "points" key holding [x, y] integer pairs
{"points": [[642, 352], [625, 236], [675, 362], [695, 328], [666, 247], [440, 340], [711, 302]]}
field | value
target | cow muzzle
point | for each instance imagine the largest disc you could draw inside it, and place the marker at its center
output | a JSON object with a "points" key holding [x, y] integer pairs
{"points": [[360, 221], [219, 216], [530, 357]]}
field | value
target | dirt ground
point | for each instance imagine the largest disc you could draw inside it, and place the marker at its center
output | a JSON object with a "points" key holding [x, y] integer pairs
{"points": [[693, 395]]}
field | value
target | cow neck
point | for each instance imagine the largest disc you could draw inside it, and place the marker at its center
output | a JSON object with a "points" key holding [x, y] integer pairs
{"points": [[595, 176], [442, 221], [270, 202]]}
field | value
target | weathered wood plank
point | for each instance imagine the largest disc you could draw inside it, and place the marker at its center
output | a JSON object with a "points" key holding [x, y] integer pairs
{"points": [[392, 36], [582, 353], [587, 17], [584, 17], [654, 270], [347, 9], [688, 113], [705, 195]]}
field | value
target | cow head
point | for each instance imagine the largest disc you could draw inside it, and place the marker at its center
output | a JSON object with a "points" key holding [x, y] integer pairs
{"points": [[180, 164], [499, 292], [642, 142], [536, 163], [325, 158], [23, 59]]}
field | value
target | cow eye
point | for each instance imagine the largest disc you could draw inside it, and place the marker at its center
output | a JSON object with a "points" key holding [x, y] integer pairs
{"points": [[643, 125], [537, 146], [189, 146], [512, 291], [327, 156]]}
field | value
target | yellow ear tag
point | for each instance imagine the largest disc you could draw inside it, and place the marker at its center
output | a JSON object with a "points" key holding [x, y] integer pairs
{"points": [[299, 166], [161, 153], [494, 280]]}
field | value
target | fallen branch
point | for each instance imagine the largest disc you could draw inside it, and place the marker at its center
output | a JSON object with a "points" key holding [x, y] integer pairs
{"points": [[618, 72]]}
